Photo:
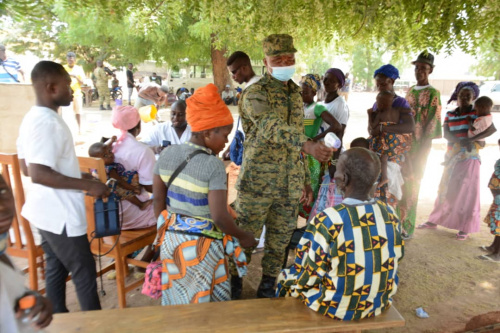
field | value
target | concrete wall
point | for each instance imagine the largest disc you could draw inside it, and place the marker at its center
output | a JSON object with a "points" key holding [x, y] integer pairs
{"points": [[15, 101]]}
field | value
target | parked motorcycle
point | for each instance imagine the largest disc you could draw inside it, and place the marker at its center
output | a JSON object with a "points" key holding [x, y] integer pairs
{"points": [[116, 93]]}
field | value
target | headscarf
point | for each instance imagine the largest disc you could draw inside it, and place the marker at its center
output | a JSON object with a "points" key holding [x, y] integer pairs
{"points": [[338, 74], [124, 118], [388, 70], [462, 85], [206, 109], [312, 80]]}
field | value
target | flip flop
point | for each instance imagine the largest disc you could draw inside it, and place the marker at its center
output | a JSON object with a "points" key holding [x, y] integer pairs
{"points": [[485, 257], [484, 248], [462, 237], [426, 225]]}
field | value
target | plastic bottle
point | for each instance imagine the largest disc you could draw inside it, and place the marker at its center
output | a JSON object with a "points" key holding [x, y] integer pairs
{"points": [[332, 141], [26, 305]]}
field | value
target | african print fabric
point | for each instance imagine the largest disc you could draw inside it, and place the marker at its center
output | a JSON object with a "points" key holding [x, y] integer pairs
{"points": [[425, 103], [493, 217], [131, 177], [194, 265], [328, 196], [391, 144], [347, 261]]}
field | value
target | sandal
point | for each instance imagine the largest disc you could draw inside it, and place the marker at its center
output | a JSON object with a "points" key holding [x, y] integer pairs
{"points": [[488, 258], [462, 237], [427, 225]]}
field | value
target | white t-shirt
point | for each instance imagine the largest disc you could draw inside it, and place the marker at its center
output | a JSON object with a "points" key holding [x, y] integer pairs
{"points": [[226, 94], [165, 131], [338, 109], [11, 288], [44, 138], [136, 156]]}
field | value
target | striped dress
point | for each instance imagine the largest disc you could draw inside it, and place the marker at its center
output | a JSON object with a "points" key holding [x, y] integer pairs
{"points": [[194, 266]]}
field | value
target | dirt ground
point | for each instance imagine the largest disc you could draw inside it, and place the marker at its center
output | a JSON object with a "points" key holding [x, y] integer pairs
{"points": [[438, 273]]}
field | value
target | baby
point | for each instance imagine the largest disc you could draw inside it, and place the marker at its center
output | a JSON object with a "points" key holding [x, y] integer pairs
{"points": [[389, 146], [127, 181], [484, 120]]}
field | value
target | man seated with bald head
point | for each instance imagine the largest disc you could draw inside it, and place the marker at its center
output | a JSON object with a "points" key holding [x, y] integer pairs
{"points": [[347, 261]]}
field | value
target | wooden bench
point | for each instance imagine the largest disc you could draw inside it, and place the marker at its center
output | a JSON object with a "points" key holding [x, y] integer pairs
{"points": [[255, 315]]}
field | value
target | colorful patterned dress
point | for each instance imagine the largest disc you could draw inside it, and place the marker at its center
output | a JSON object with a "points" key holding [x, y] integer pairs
{"points": [[383, 192], [347, 261], [493, 217], [131, 177], [312, 123], [425, 103], [193, 249]]}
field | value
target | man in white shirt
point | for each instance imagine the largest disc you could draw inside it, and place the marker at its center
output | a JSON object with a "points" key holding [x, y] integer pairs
{"points": [[55, 204], [173, 132], [228, 95]]}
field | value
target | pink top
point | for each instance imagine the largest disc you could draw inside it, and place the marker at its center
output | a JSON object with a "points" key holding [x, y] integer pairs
{"points": [[481, 124], [136, 156]]}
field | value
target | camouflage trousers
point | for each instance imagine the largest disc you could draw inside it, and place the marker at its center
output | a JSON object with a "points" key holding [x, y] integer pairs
{"points": [[104, 95], [279, 215]]}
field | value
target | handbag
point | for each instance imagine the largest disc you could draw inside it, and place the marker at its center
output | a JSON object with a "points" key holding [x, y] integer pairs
{"points": [[236, 147], [152, 278], [107, 215]]}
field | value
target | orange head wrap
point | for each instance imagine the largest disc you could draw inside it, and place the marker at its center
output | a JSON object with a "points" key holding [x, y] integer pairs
{"points": [[206, 109]]}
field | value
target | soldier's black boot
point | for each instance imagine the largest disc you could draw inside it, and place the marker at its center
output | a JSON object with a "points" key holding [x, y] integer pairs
{"points": [[109, 107], [236, 287], [266, 287], [102, 108]]}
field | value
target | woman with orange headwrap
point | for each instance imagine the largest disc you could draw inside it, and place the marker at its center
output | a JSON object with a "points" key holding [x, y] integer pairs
{"points": [[190, 202]]}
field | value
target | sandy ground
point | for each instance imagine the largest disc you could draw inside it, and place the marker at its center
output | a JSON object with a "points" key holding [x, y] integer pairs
{"points": [[438, 272]]}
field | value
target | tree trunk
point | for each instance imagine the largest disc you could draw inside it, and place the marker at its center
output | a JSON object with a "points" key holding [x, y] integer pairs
{"points": [[219, 68]]}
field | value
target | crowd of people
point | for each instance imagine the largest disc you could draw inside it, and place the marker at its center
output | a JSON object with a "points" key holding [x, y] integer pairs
{"points": [[360, 203]]}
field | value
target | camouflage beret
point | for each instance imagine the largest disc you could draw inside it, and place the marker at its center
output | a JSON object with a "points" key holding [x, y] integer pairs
{"points": [[275, 45]]}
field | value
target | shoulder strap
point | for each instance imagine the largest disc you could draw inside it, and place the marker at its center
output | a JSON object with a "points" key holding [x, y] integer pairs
{"points": [[183, 165], [12, 76], [238, 124]]}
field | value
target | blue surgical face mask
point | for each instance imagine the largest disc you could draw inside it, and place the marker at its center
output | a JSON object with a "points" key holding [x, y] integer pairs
{"points": [[3, 242], [283, 73]]}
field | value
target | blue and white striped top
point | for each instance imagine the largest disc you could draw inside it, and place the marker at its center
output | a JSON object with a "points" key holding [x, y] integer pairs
{"points": [[9, 66]]}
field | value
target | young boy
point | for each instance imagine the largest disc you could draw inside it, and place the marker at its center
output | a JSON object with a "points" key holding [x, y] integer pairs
{"points": [[389, 146], [127, 181], [55, 204]]}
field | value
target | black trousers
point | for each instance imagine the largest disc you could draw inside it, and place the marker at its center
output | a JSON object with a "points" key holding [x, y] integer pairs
{"points": [[64, 255]]}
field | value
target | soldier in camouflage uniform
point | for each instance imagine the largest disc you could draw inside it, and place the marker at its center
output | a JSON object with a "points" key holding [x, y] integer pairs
{"points": [[102, 84], [273, 178]]}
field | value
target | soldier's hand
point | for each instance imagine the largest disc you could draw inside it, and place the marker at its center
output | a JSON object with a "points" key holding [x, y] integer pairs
{"points": [[307, 196], [248, 240], [318, 150]]}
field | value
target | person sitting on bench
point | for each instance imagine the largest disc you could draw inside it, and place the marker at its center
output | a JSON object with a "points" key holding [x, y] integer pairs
{"points": [[346, 263]]}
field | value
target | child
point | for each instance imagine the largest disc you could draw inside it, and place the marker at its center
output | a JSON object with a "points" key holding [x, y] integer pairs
{"points": [[389, 146], [314, 115], [360, 143], [54, 204], [127, 181], [493, 217], [197, 219], [484, 120]]}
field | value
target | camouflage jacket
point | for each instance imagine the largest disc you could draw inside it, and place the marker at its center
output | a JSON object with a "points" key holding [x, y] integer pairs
{"points": [[101, 77], [272, 117]]}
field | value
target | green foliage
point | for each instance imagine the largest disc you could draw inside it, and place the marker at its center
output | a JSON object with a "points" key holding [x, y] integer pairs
{"points": [[489, 60], [179, 32], [366, 59]]}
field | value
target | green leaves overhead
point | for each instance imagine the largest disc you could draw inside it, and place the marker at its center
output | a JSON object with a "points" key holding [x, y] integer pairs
{"points": [[174, 31]]}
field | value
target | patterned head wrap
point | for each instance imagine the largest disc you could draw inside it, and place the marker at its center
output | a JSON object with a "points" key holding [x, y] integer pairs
{"points": [[206, 109], [312, 80], [388, 70], [460, 86], [338, 74]]}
